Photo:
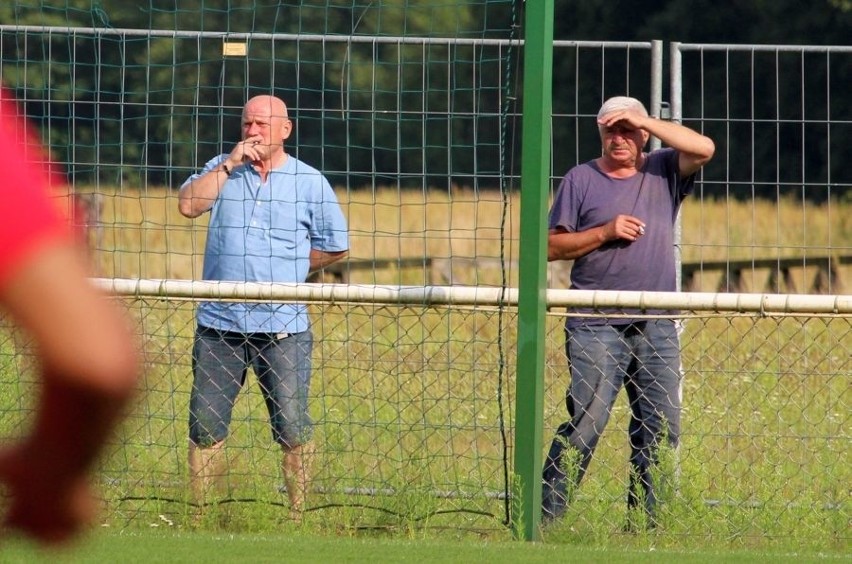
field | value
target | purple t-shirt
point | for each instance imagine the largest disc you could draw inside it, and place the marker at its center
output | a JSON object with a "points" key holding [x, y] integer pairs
{"points": [[588, 198]]}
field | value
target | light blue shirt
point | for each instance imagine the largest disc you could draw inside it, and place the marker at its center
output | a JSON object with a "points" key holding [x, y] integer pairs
{"points": [[264, 232]]}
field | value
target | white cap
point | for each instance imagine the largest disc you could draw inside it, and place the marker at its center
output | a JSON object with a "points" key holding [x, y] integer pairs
{"points": [[622, 103]]}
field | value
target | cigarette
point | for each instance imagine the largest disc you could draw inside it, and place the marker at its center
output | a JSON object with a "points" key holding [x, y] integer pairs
{"points": [[641, 230]]}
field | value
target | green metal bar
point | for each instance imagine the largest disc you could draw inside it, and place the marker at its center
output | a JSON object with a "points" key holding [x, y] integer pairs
{"points": [[535, 183]]}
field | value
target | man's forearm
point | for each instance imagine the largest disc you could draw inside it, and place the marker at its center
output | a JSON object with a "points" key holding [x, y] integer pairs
{"points": [[680, 137], [321, 259], [198, 196], [570, 246]]}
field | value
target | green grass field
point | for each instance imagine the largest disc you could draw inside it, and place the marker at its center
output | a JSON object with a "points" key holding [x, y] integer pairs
{"points": [[405, 401], [177, 548]]}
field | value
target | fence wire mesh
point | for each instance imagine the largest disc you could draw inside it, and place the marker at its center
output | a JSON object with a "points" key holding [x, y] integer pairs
{"points": [[412, 409], [419, 133]]}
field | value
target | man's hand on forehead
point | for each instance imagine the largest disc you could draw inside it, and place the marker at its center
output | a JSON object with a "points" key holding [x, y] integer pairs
{"points": [[624, 120]]}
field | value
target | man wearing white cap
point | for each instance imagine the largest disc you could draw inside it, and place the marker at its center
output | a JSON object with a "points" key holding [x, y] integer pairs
{"points": [[614, 217]]}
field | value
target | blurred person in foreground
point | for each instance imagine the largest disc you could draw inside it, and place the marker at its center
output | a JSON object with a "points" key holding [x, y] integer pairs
{"points": [[273, 218], [614, 216], [87, 355]]}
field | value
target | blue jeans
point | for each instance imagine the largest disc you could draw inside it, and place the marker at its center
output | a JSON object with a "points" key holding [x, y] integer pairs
{"points": [[644, 358], [220, 361]]}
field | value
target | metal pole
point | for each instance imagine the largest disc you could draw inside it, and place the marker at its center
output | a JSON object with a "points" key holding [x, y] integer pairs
{"points": [[535, 187], [675, 99], [656, 85]]}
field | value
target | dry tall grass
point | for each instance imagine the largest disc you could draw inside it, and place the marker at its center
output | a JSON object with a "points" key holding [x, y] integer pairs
{"points": [[144, 235]]}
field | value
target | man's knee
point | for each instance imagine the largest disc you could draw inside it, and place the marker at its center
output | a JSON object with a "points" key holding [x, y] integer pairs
{"points": [[207, 436], [291, 437]]}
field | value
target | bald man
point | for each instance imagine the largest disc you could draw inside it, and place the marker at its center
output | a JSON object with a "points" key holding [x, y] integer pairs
{"points": [[273, 218]]}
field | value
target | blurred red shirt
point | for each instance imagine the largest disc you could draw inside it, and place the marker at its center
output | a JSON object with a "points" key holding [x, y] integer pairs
{"points": [[30, 207]]}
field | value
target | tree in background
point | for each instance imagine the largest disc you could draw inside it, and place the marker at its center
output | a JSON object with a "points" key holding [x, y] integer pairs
{"points": [[127, 108], [761, 22]]}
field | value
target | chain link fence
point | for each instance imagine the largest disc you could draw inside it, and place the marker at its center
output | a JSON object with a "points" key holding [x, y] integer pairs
{"points": [[413, 411]]}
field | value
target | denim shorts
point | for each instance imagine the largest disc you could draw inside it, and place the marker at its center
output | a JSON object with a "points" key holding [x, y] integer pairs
{"points": [[220, 362]]}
